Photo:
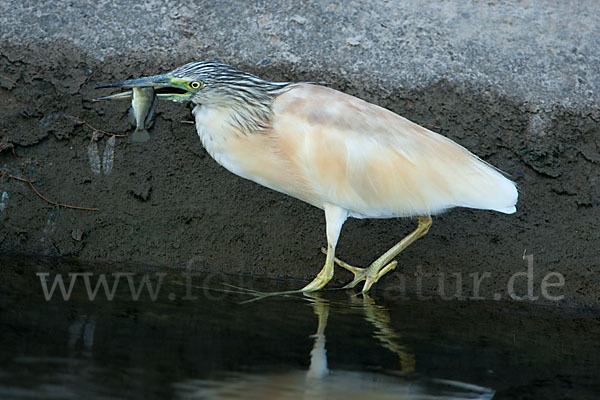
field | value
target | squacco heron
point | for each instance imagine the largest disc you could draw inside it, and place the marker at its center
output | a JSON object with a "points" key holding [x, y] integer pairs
{"points": [[339, 153]]}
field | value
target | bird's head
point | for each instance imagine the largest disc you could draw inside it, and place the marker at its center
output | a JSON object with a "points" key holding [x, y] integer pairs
{"points": [[207, 83]]}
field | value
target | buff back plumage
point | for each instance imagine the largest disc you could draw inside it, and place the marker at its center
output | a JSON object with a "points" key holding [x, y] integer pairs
{"points": [[377, 164]]}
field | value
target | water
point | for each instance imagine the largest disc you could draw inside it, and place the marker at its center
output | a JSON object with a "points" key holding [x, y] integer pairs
{"points": [[327, 346]]}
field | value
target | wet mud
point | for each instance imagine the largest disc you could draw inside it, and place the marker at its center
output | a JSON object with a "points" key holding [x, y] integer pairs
{"points": [[166, 202]]}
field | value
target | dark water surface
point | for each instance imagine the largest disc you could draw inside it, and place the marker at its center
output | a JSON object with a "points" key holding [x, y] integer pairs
{"points": [[331, 345]]}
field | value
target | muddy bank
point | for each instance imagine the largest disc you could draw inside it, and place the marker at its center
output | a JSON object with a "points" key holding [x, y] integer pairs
{"points": [[167, 202]]}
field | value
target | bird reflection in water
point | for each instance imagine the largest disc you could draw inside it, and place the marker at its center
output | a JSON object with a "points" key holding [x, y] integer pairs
{"points": [[320, 382]]}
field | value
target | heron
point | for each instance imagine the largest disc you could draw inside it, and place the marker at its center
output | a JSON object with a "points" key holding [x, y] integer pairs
{"points": [[346, 156]]}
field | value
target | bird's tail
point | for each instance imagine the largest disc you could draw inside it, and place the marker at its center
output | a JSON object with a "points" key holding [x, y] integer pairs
{"points": [[489, 189], [139, 136]]}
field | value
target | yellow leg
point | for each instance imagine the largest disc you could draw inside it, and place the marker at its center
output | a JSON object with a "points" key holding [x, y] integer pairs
{"points": [[382, 265], [334, 219], [324, 276]]}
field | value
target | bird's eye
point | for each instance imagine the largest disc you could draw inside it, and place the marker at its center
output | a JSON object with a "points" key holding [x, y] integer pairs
{"points": [[195, 85]]}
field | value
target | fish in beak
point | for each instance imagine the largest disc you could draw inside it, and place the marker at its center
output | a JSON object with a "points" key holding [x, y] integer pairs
{"points": [[166, 87], [143, 95]]}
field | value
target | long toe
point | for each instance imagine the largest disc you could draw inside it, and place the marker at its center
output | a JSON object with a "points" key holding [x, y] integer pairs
{"points": [[358, 277], [351, 284], [370, 275], [315, 284], [341, 263], [372, 279]]}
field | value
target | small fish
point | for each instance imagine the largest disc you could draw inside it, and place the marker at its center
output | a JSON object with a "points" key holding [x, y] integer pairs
{"points": [[142, 108], [143, 104]]}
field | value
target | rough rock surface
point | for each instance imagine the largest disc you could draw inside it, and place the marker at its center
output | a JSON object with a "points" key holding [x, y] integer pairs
{"points": [[515, 82]]}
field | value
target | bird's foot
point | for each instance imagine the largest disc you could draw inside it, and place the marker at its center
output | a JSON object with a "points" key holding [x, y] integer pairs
{"points": [[370, 274], [318, 283]]}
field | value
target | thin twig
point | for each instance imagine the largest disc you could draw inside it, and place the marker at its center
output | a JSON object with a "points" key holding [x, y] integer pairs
{"points": [[3, 173], [93, 128], [187, 122], [10, 80], [86, 81]]}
